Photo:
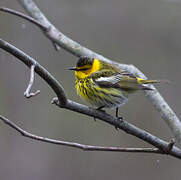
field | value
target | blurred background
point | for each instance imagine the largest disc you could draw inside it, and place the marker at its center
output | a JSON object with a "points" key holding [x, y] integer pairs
{"points": [[144, 33]]}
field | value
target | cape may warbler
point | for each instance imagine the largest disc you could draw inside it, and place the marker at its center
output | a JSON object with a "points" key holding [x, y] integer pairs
{"points": [[104, 85]]}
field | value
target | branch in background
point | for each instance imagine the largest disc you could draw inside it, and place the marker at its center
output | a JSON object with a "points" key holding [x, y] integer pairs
{"points": [[24, 16], [78, 145], [44, 28], [27, 93], [75, 48], [63, 102]]}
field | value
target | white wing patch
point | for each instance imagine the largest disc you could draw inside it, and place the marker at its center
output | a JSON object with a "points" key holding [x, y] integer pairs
{"points": [[112, 79]]}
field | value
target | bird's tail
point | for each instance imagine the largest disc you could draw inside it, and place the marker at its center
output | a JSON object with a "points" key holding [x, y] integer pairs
{"points": [[144, 81]]}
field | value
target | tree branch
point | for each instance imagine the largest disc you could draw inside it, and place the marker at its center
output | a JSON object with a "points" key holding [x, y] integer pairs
{"points": [[58, 38], [43, 73], [63, 102], [78, 145]]}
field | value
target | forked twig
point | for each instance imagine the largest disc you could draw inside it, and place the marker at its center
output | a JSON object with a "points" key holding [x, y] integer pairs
{"points": [[27, 93]]}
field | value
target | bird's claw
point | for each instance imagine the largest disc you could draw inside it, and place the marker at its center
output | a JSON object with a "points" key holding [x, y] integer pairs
{"points": [[119, 119]]}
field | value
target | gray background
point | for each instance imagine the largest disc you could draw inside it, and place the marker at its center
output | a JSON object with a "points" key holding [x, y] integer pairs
{"points": [[140, 32]]}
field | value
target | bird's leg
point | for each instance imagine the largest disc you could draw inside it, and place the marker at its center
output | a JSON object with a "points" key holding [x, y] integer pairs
{"points": [[118, 117], [100, 109], [117, 112]]}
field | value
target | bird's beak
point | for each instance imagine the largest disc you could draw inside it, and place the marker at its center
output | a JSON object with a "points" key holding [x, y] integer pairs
{"points": [[73, 68]]}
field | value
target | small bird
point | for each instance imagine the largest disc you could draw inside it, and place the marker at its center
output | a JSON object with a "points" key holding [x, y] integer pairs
{"points": [[104, 85]]}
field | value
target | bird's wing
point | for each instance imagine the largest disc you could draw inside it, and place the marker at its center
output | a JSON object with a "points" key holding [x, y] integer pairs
{"points": [[110, 81], [120, 79], [107, 78]]}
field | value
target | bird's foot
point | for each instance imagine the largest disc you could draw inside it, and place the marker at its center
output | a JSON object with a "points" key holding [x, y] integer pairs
{"points": [[118, 119]]}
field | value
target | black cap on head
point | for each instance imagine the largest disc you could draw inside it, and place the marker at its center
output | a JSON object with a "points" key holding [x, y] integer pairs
{"points": [[84, 60]]}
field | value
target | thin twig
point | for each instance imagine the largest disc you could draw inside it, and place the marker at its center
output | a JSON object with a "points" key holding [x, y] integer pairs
{"points": [[78, 145], [27, 93], [63, 102], [43, 27], [75, 48], [24, 16]]}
